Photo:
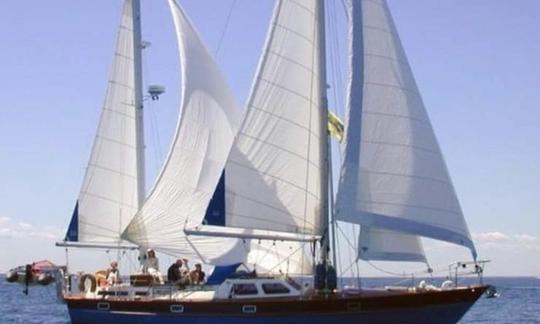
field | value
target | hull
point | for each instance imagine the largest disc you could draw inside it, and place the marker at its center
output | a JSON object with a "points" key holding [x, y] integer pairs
{"points": [[368, 307]]}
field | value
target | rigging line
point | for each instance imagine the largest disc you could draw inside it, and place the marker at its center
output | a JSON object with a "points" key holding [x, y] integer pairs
{"points": [[389, 272], [158, 153], [156, 140], [227, 21]]}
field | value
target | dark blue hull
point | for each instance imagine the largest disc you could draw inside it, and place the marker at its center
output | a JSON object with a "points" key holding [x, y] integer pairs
{"points": [[432, 307], [438, 314]]}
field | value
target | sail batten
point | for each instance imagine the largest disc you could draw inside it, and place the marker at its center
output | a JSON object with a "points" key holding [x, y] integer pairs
{"points": [[393, 175]]}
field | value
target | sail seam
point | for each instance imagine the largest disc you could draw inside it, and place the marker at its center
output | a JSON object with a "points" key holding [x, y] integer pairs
{"points": [[84, 192], [393, 86], [434, 152], [112, 170], [120, 113], [389, 58], [115, 141], [281, 149], [287, 89], [393, 34], [298, 4], [288, 226], [374, 202], [409, 176], [304, 37], [124, 56], [129, 29], [285, 58], [130, 87], [283, 211], [284, 119], [421, 121], [277, 178], [105, 229]]}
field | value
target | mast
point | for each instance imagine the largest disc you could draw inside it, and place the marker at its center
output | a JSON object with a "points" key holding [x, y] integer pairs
{"points": [[139, 123], [324, 215]]}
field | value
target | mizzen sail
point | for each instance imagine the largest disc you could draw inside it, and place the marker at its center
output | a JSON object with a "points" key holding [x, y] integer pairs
{"points": [[108, 197], [393, 175]]}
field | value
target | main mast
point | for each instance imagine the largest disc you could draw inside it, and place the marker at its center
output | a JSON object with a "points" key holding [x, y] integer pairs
{"points": [[324, 212], [139, 122]]}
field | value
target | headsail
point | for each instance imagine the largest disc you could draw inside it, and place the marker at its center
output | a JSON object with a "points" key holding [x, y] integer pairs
{"points": [[206, 129], [273, 177], [108, 197], [393, 174], [384, 245]]}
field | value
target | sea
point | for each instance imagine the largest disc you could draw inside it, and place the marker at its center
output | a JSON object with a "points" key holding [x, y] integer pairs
{"points": [[518, 303]]}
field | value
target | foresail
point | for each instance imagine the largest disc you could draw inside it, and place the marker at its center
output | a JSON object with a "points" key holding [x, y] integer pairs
{"points": [[108, 197], [205, 132], [273, 177], [383, 245], [393, 175]]}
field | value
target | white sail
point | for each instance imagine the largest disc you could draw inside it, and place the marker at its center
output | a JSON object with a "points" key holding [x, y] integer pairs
{"points": [[393, 175], [108, 197], [385, 245], [280, 257], [206, 129], [273, 177]]}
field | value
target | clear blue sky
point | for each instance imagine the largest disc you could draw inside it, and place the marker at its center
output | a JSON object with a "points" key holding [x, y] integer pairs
{"points": [[476, 63]]}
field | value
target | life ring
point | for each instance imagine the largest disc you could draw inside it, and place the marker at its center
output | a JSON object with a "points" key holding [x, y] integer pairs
{"points": [[82, 283]]}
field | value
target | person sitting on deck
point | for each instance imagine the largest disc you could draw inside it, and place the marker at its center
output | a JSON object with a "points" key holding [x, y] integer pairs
{"points": [[178, 274], [113, 275], [197, 276], [151, 266]]}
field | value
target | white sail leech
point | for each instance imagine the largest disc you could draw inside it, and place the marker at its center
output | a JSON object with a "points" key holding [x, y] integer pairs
{"points": [[205, 132], [273, 173], [393, 174], [108, 197]]}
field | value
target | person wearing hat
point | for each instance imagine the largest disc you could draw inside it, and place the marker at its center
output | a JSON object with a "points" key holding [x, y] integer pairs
{"points": [[151, 265]]}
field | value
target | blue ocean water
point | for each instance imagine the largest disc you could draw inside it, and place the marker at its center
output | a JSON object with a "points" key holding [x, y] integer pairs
{"points": [[519, 302]]}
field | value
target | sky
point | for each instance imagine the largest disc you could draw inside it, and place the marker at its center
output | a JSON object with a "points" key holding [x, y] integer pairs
{"points": [[475, 62]]}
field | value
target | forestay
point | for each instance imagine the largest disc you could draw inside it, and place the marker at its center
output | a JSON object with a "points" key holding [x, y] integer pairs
{"points": [[393, 174], [273, 177], [206, 129], [108, 197]]}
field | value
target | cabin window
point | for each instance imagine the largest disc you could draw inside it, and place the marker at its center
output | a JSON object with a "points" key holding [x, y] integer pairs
{"points": [[244, 289], [275, 288]]}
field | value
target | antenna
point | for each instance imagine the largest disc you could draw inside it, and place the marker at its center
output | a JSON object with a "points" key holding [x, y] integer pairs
{"points": [[154, 91]]}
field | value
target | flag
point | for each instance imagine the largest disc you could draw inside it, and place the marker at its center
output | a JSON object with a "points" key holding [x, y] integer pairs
{"points": [[335, 126]]}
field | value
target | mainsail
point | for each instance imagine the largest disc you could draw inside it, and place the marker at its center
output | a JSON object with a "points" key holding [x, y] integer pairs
{"points": [[205, 132], [108, 197], [393, 174], [273, 175]]}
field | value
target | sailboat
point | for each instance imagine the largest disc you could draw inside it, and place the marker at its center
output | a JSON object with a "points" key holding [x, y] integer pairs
{"points": [[257, 190]]}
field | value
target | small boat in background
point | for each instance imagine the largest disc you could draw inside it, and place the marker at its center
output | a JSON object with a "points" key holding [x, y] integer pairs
{"points": [[40, 272], [492, 292]]}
